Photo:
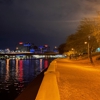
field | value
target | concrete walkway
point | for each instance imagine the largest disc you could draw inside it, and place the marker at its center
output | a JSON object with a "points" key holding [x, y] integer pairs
{"points": [[77, 81]]}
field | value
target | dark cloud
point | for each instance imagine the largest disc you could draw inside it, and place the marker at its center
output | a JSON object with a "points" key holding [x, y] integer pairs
{"points": [[42, 21], [6, 1]]}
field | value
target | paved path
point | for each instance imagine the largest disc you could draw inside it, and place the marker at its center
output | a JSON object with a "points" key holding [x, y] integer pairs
{"points": [[77, 82]]}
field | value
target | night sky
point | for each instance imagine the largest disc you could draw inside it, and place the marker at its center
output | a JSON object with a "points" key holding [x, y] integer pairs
{"points": [[42, 21]]}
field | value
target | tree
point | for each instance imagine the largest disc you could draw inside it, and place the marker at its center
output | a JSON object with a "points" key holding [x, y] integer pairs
{"points": [[96, 27], [76, 41], [85, 33], [86, 29], [61, 48]]}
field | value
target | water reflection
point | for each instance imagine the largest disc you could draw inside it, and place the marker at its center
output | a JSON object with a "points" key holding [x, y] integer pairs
{"points": [[45, 63], [7, 70], [41, 65], [15, 74], [20, 71]]}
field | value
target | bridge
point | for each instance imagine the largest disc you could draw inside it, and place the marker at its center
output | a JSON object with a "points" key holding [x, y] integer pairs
{"points": [[29, 55]]}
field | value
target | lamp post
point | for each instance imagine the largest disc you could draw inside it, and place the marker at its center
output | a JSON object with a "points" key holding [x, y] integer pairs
{"points": [[89, 51], [88, 44], [87, 47]]}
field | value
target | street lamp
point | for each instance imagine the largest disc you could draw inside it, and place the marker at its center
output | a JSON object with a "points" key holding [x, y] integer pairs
{"points": [[88, 48], [88, 44]]}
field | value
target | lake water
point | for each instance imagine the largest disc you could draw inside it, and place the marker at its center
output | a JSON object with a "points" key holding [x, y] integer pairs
{"points": [[15, 75]]}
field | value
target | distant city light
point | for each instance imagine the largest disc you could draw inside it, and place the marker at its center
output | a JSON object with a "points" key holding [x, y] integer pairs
{"points": [[55, 47], [27, 44], [40, 46], [46, 45], [16, 47], [20, 42]]}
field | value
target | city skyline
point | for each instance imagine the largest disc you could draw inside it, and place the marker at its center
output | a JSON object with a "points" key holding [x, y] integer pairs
{"points": [[42, 22]]}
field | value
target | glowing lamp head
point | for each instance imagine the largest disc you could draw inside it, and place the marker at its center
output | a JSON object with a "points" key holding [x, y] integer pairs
{"points": [[85, 42]]}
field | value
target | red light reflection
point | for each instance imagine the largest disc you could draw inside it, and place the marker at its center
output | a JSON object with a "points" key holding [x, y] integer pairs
{"points": [[20, 70], [45, 63]]}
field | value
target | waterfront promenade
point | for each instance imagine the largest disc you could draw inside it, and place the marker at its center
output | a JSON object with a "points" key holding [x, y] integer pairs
{"points": [[77, 80]]}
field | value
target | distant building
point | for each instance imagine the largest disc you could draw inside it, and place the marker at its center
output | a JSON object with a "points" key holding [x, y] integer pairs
{"points": [[7, 50], [55, 49], [21, 48], [30, 47], [44, 48]]}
